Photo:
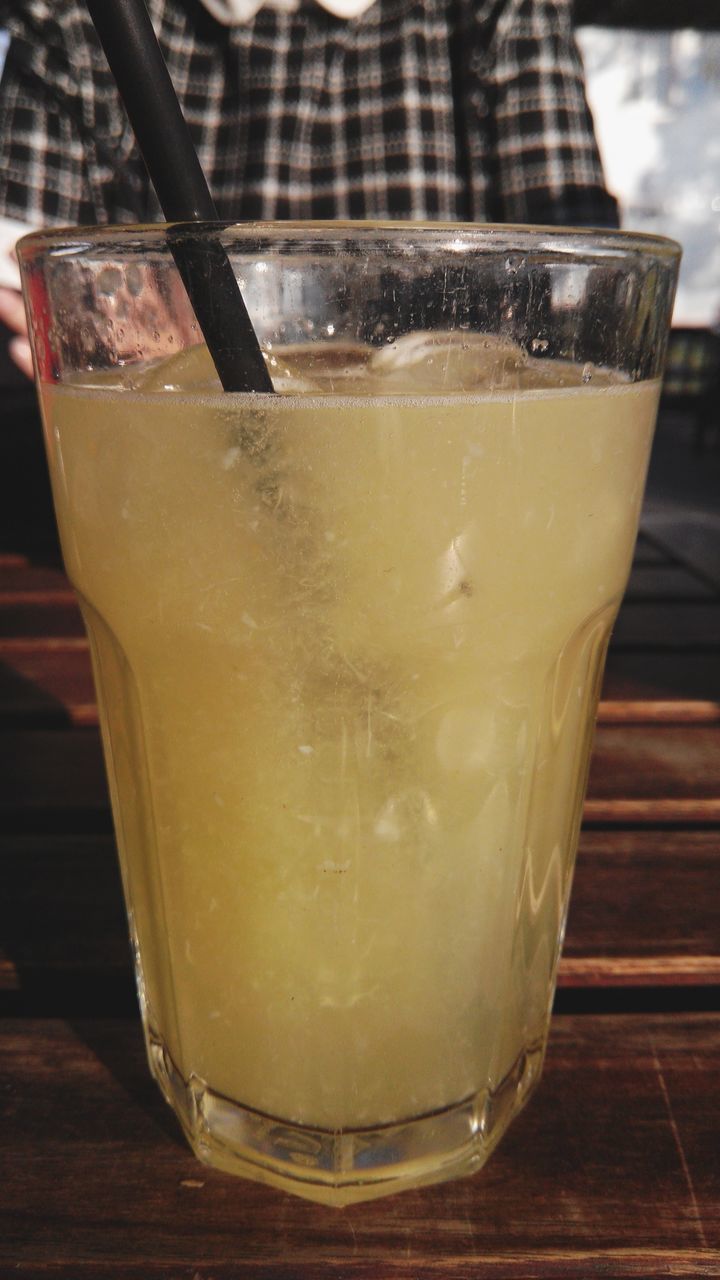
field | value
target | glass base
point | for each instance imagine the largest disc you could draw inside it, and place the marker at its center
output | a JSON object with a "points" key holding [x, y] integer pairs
{"points": [[346, 1166]]}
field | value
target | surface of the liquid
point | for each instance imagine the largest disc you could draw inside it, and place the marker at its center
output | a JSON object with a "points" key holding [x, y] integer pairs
{"points": [[347, 642]]}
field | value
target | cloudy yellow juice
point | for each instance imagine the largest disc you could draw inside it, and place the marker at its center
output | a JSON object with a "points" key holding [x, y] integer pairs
{"points": [[347, 642]]}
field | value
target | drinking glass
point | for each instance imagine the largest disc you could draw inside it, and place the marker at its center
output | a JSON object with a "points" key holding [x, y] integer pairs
{"points": [[348, 640]]}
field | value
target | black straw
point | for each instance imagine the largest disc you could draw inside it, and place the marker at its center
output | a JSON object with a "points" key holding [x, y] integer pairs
{"points": [[136, 61]]}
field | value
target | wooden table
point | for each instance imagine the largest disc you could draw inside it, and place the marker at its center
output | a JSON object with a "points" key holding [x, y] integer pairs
{"points": [[612, 1170]]}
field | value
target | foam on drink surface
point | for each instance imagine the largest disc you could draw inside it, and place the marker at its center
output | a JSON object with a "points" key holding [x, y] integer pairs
{"points": [[347, 641]]}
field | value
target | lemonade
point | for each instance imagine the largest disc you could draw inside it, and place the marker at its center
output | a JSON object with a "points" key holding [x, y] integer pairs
{"points": [[348, 642]]}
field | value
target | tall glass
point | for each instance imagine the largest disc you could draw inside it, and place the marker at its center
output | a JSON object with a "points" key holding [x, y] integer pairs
{"points": [[347, 642]]}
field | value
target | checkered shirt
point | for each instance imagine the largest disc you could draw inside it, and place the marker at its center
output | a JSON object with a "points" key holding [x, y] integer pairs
{"points": [[418, 109]]}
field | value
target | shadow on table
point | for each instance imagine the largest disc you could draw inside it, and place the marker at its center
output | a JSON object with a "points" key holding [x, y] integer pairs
{"points": [[125, 1060], [64, 953], [26, 705]]}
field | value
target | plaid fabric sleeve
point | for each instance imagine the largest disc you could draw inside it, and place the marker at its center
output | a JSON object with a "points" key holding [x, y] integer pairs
{"points": [[65, 146], [543, 162]]}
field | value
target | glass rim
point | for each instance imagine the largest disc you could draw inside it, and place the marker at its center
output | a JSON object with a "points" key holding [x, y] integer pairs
{"points": [[566, 241]]}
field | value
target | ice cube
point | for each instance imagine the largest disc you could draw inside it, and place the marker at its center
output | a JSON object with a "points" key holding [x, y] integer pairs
{"points": [[446, 363], [188, 370], [322, 368]]}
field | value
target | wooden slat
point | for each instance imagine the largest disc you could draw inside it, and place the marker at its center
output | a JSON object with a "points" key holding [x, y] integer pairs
{"points": [[49, 681], [21, 580], [640, 625], [549, 1264], [661, 653], [639, 772], [37, 618], [653, 812], [612, 1170], [18, 575], [655, 762], [645, 911], [630, 971], [667, 604], [648, 553], [44, 680], [12, 646], [661, 677], [46, 683], [659, 712], [46, 599]]}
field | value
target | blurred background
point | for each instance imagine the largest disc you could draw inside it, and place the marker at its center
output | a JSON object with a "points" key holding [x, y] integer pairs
{"points": [[653, 81], [655, 97]]}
